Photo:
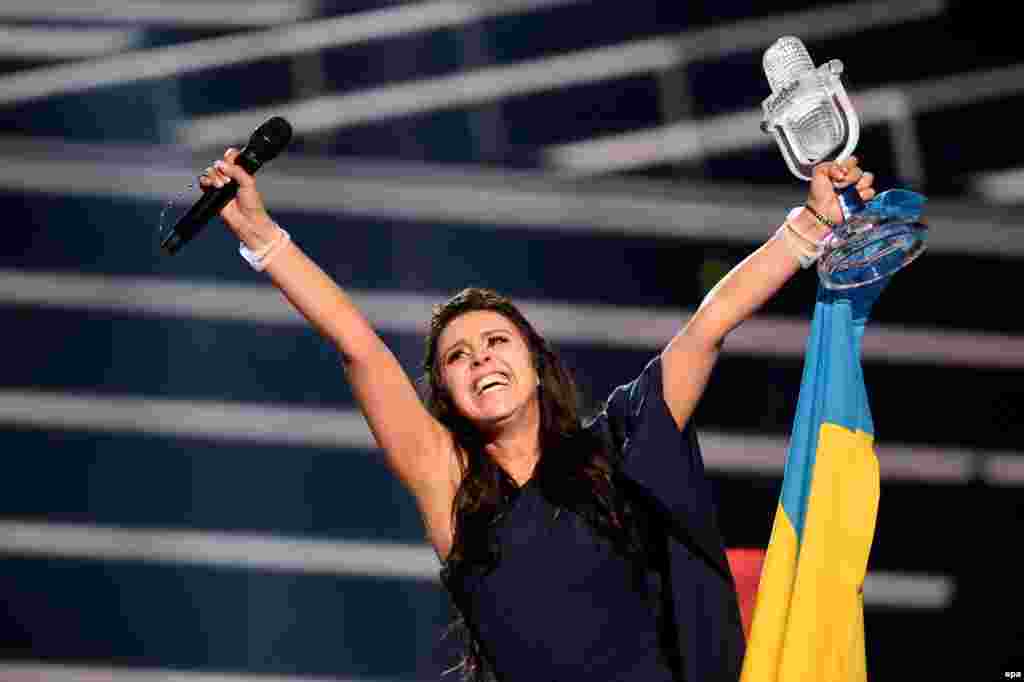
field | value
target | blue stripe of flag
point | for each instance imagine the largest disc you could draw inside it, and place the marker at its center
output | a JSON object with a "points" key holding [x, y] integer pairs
{"points": [[832, 388]]}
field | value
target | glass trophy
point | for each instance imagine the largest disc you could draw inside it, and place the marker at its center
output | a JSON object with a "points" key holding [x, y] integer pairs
{"points": [[812, 120]]}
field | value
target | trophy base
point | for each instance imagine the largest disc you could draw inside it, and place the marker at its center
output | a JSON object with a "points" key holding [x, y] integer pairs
{"points": [[870, 247]]}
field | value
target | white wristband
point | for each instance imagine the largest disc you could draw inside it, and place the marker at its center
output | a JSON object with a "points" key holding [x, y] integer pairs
{"points": [[806, 251], [261, 258], [805, 259]]}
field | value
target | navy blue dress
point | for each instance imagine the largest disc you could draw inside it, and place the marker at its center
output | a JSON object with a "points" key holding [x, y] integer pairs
{"points": [[562, 604]]}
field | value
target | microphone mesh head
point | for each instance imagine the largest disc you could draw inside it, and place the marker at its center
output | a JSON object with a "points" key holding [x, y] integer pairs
{"points": [[270, 138], [277, 131], [785, 61]]}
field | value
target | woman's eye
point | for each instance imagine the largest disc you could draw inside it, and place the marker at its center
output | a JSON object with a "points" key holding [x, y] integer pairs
{"points": [[495, 339], [455, 356]]}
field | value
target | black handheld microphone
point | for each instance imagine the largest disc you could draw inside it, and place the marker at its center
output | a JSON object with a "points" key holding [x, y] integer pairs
{"points": [[265, 144]]}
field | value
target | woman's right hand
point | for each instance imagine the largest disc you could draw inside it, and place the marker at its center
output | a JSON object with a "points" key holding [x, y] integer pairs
{"points": [[245, 214]]}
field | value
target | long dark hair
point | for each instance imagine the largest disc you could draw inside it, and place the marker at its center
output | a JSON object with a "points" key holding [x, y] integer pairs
{"points": [[575, 470]]}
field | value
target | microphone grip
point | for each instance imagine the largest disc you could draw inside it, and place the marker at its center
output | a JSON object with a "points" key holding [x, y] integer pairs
{"points": [[208, 206]]}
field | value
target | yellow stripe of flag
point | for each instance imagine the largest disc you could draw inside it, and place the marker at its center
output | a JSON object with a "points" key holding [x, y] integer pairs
{"points": [[808, 623]]}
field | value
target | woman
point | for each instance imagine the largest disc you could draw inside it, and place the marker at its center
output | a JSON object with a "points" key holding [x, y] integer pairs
{"points": [[571, 551]]}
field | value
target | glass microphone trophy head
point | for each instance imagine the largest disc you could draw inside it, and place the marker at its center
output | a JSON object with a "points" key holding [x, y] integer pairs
{"points": [[812, 120], [808, 113]]}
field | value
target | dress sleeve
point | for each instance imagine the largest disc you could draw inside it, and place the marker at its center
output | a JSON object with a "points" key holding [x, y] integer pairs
{"points": [[664, 461]]}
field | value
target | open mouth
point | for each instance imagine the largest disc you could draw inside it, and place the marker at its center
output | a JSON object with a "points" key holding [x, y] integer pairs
{"points": [[491, 382]]}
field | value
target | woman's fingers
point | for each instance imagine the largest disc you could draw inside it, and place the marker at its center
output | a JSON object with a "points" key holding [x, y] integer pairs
{"points": [[852, 174], [864, 186], [849, 173], [828, 174], [246, 208], [221, 173], [232, 171], [210, 178], [865, 180], [832, 176], [213, 178], [841, 174]]}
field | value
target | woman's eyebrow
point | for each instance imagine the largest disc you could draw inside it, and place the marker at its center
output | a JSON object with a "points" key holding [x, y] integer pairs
{"points": [[452, 347], [485, 333]]}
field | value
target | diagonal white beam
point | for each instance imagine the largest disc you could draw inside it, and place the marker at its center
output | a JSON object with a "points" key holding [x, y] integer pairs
{"points": [[1001, 187], [695, 139], [37, 671], [51, 42], [291, 40], [964, 88], [598, 64], [337, 557], [485, 198], [690, 140], [590, 324], [345, 429], [414, 97], [237, 550], [913, 591], [177, 13], [816, 24]]}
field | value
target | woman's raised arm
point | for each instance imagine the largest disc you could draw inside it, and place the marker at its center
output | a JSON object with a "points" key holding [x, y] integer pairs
{"points": [[418, 448], [690, 356]]}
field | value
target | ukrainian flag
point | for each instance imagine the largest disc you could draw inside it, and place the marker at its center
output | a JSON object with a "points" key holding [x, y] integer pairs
{"points": [[808, 623]]}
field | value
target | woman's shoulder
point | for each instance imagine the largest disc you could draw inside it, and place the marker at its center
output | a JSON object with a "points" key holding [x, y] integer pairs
{"points": [[625, 404]]}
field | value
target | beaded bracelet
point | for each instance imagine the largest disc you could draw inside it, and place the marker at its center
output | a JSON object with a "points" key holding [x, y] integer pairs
{"points": [[823, 219], [261, 258]]}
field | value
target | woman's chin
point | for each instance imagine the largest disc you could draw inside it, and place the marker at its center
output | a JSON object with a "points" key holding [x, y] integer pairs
{"points": [[490, 412], [495, 413], [495, 416]]}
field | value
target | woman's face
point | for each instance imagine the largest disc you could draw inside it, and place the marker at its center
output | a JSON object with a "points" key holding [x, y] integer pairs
{"points": [[486, 367]]}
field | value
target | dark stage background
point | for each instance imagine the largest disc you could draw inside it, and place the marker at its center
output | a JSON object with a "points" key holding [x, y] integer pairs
{"points": [[187, 492]]}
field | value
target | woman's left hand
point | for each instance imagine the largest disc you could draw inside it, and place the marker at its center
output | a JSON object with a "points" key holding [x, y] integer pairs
{"points": [[830, 177]]}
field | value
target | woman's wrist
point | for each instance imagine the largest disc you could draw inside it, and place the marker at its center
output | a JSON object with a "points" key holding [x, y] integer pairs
{"points": [[260, 257], [808, 225], [801, 236], [259, 234]]}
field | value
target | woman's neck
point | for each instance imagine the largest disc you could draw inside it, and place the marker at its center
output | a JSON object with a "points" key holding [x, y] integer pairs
{"points": [[516, 449], [517, 459]]}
